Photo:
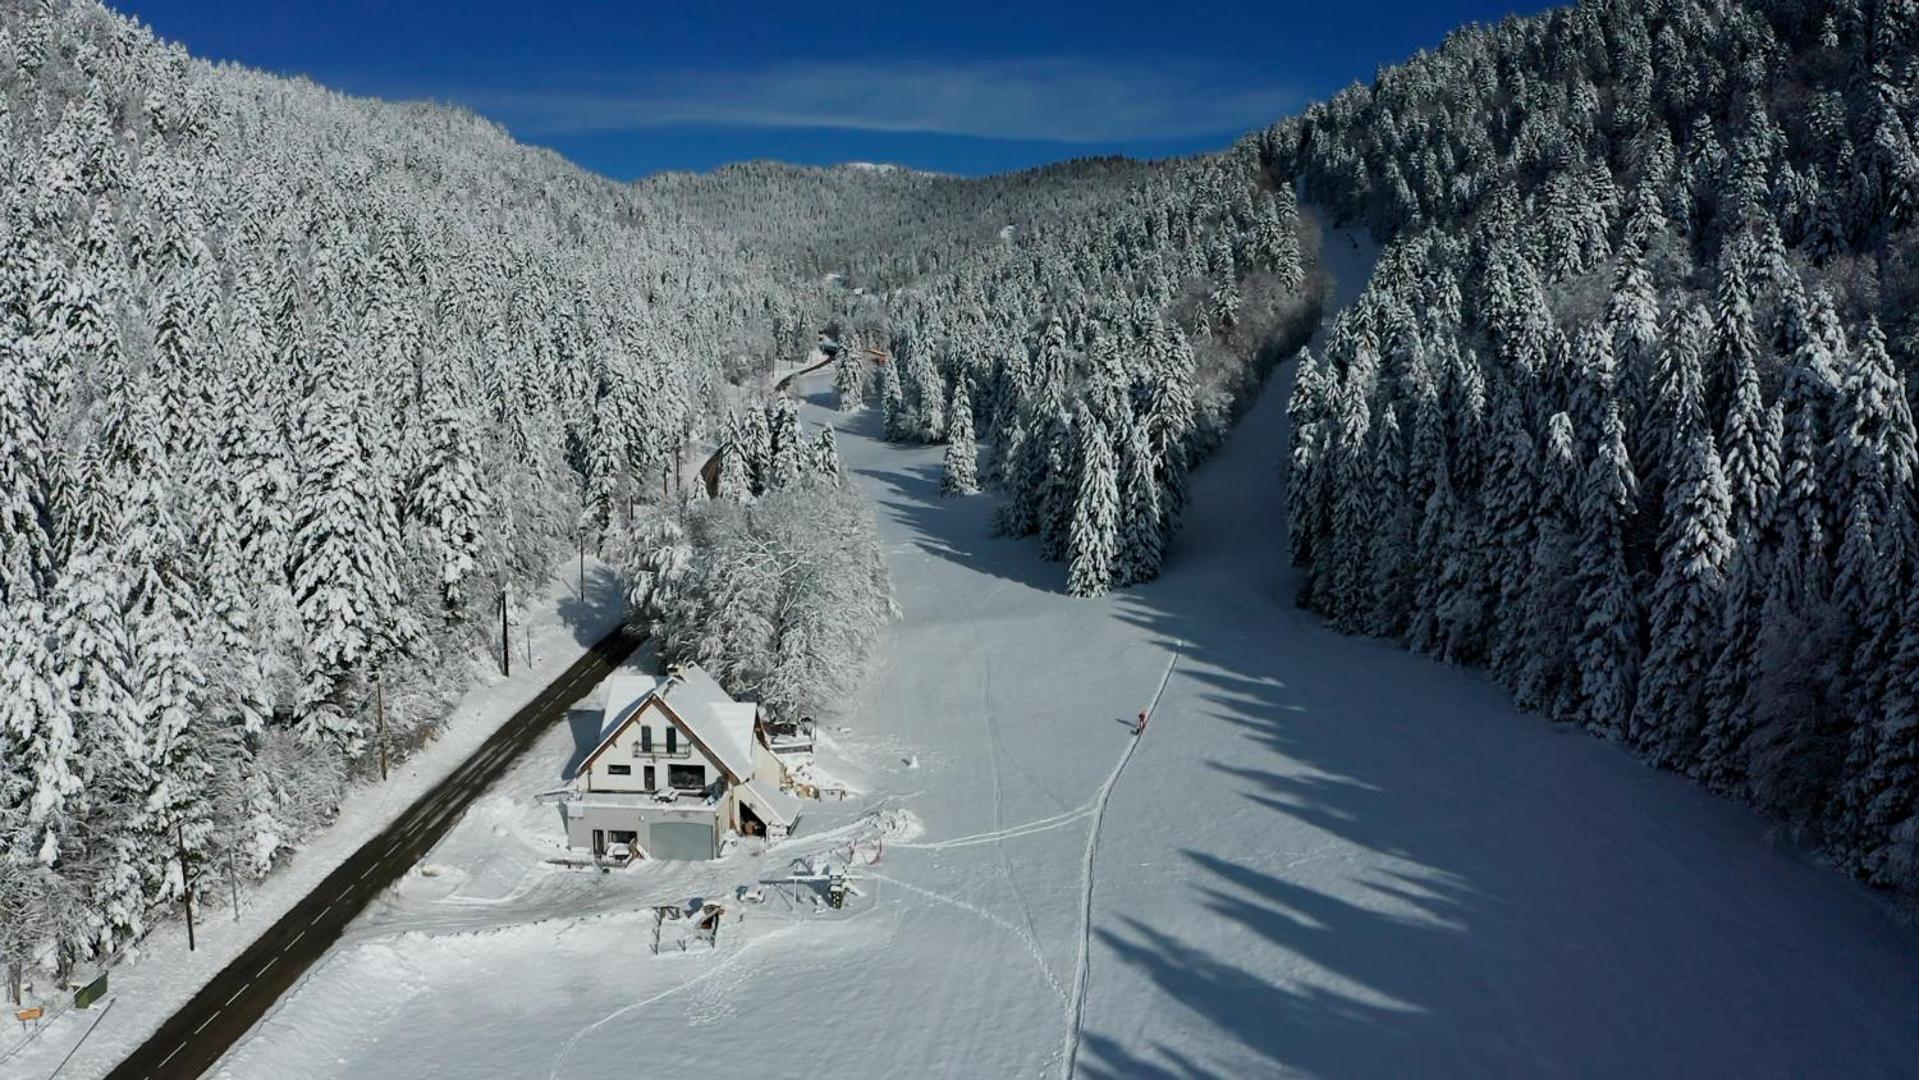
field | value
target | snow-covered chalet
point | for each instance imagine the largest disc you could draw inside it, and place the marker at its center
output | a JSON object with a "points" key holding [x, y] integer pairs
{"points": [[678, 764]]}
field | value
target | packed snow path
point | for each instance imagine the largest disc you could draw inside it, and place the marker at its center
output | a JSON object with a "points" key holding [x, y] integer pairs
{"points": [[1325, 856]]}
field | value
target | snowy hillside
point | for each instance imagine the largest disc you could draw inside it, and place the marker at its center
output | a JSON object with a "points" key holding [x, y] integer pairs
{"points": [[1324, 857]]}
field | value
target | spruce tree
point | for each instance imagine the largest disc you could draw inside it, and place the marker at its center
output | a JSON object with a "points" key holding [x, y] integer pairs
{"points": [[1141, 543], [1058, 486], [1685, 608], [1094, 537], [824, 458], [449, 508], [786, 457], [849, 380], [1606, 635], [959, 472], [736, 477], [44, 760]]}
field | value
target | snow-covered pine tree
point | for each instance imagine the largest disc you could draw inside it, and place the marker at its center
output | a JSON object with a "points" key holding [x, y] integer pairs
{"points": [[1093, 538], [959, 469], [606, 468], [1685, 608], [736, 476], [26, 549], [1391, 560], [892, 402], [1022, 454], [849, 379], [1058, 485], [1546, 676], [345, 580], [823, 459], [93, 639], [43, 778], [756, 442], [1605, 639], [787, 456], [175, 812], [929, 404], [1750, 450], [448, 506], [1306, 507], [1142, 543]]}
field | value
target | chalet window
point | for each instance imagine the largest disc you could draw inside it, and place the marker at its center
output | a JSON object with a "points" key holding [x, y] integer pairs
{"points": [[686, 777], [672, 740], [649, 780], [619, 770], [646, 740]]}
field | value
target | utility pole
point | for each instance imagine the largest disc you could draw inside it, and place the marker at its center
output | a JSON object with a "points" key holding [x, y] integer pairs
{"points": [[581, 533], [186, 879], [379, 711], [233, 883], [506, 646]]}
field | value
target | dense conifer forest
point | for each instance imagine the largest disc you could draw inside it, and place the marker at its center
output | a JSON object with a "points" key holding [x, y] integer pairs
{"points": [[1625, 415]]}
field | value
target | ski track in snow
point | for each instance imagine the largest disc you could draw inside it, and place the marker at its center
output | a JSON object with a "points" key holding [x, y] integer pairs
{"points": [[1076, 1005]]}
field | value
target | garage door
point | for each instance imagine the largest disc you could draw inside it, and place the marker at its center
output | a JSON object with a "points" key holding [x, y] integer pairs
{"points": [[680, 840]]}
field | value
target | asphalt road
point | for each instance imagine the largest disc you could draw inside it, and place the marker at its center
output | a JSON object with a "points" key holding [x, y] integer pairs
{"points": [[193, 1039]]}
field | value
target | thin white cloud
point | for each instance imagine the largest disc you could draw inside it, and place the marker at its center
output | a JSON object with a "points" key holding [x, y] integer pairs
{"points": [[1071, 101]]}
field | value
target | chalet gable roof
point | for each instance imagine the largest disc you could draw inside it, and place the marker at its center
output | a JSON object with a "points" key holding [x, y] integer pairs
{"points": [[721, 727]]}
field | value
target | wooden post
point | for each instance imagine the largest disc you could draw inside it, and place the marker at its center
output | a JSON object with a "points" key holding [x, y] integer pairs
{"points": [[186, 879], [506, 646], [379, 710]]}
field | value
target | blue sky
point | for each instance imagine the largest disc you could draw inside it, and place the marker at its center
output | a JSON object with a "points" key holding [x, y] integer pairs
{"points": [[631, 88]]}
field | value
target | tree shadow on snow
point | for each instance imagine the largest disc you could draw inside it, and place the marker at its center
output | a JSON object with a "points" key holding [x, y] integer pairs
{"points": [[958, 528], [584, 724], [1475, 891], [585, 612]]}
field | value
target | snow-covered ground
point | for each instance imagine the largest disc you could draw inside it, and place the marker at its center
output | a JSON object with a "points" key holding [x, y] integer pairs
{"points": [[1326, 856], [161, 974]]}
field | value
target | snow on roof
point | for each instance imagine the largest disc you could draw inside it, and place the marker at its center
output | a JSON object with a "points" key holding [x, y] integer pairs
{"points": [[711, 716], [775, 807]]}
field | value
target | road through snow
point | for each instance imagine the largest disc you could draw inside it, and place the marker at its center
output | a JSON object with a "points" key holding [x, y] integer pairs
{"points": [[1325, 857]]}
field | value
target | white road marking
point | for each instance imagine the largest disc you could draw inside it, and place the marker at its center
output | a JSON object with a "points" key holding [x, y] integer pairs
{"points": [[169, 1057], [237, 993], [320, 914], [263, 969], [203, 1024], [295, 941]]}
